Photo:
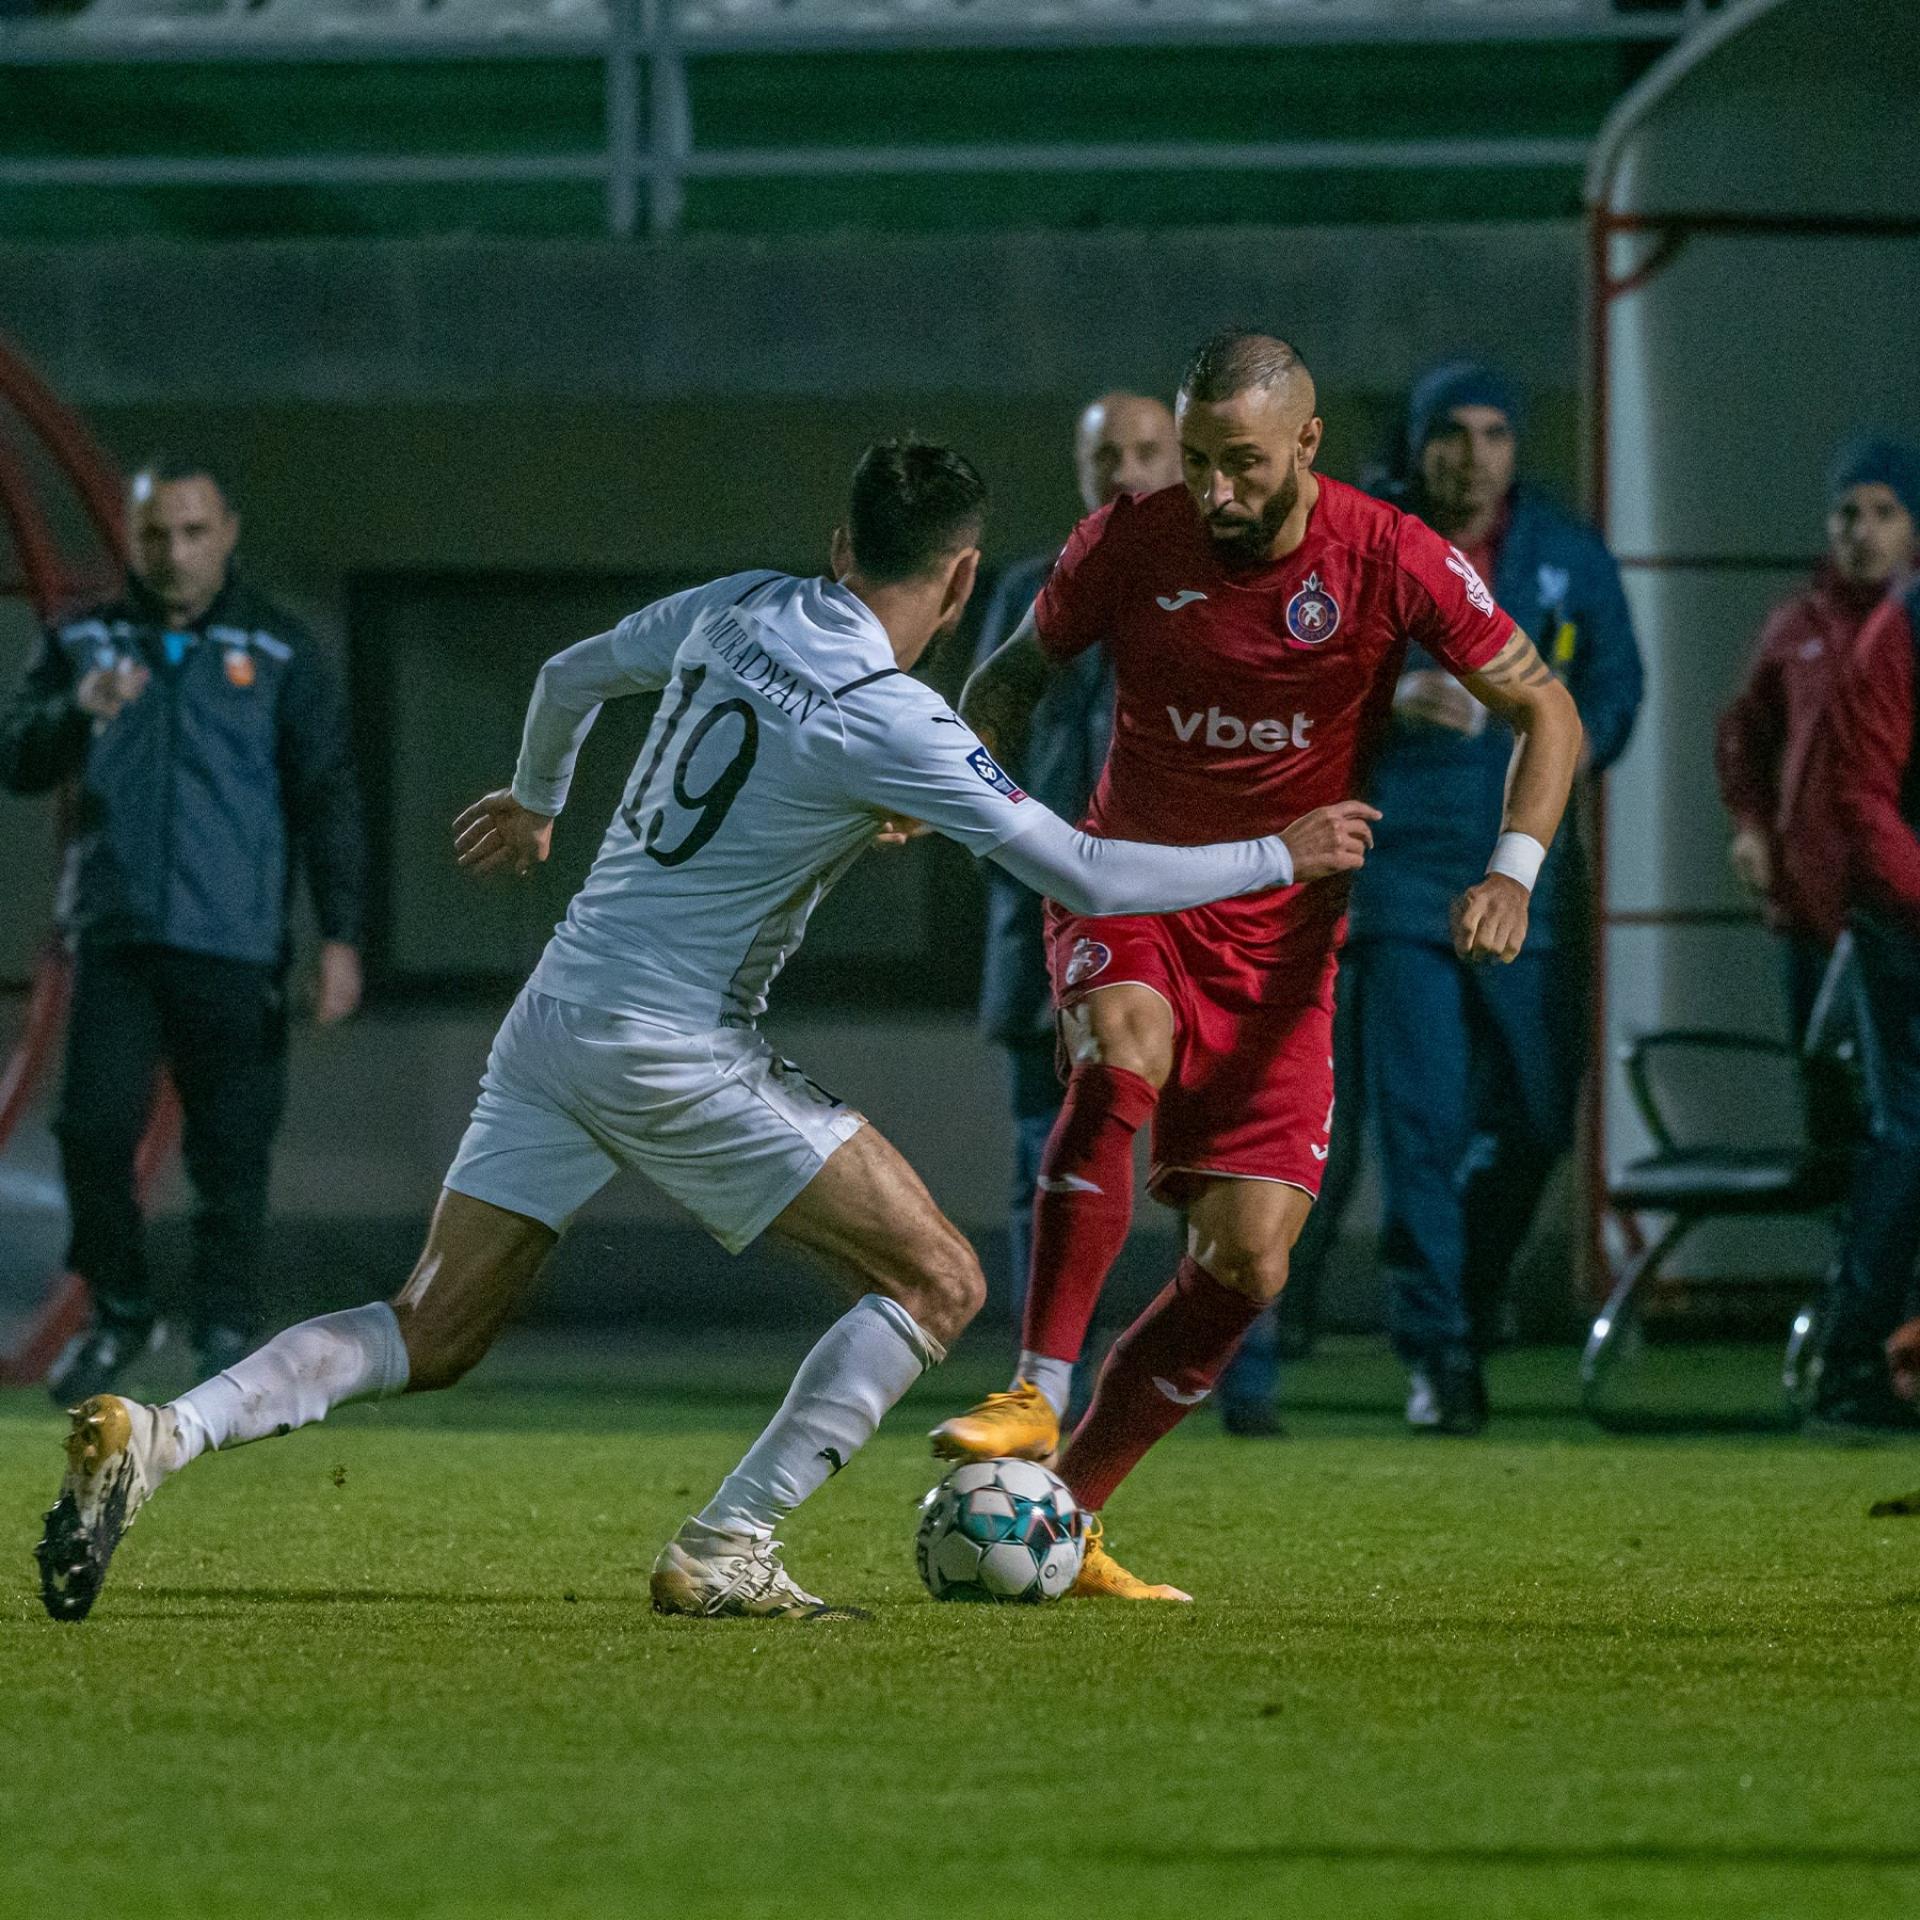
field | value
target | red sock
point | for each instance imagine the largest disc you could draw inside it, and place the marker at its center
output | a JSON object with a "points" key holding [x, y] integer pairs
{"points": [[1084, 1205], [1160, 1369]]}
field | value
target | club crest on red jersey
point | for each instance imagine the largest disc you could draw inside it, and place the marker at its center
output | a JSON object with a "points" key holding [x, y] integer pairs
{"points": [[1313, 614], [1087, 958]]}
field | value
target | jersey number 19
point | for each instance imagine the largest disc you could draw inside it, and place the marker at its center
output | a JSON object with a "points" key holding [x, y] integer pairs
{"points": [[710, 805]]}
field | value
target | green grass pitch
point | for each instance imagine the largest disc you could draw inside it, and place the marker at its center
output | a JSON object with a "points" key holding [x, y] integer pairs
{"points": [[403, 1666]]}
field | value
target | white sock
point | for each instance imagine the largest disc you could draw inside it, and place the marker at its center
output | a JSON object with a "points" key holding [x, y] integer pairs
{"points": [[862, 1364], [298, 1377], [1053, 1377]]}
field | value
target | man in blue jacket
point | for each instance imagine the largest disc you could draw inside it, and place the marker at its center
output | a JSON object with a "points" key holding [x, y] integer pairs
{"points": [[1472, 1073], [210, 751]]}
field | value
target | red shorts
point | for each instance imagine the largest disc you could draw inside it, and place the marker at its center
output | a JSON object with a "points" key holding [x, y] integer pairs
{"points": [[1251, 1093]]}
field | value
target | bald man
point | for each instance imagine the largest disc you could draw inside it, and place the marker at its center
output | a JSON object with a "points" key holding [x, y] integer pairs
{"points": [[1123, 444], [1258, 620]]}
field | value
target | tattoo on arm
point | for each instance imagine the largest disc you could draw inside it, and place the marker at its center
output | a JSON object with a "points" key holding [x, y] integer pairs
{"points": [[998, 701], [1508, 680], [1518, 663]]}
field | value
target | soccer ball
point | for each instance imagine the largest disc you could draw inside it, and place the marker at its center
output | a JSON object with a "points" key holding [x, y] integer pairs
{"points": [[1000, 1530]]}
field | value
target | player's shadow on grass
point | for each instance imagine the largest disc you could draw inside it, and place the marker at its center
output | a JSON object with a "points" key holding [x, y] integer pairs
{"points": [[1627, 1853], [233, 1601]]}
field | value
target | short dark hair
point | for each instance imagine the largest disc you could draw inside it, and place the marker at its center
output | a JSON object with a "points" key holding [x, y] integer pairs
{"points": [[1235, 360], [163, 468], [912, 503]]}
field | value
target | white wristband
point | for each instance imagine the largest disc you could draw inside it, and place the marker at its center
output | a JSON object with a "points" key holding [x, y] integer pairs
{"points": [[1518, 856], [1284, 854]]}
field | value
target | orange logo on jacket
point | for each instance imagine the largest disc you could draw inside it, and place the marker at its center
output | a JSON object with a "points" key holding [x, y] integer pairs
{"points": [[240, 667]]}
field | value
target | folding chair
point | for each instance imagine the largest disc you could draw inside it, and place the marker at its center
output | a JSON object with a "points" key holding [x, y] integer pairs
{"points": [[1686, 1183]]}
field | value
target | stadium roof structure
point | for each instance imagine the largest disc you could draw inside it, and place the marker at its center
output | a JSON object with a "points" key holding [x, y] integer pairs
{"points": [[309, 116]]}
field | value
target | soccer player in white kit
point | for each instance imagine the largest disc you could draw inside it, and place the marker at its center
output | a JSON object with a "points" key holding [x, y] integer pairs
{"points": [[788, 734]]}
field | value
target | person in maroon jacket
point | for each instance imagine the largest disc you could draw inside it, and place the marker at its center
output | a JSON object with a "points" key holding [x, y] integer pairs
{"points": [[1776, 742], [1876, 789]]}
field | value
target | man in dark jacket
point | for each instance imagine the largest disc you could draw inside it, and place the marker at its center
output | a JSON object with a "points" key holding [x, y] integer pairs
{"points": [[1877, 803], [1472, 1073], [1777, 741], [1124, 443], [210, 751]]}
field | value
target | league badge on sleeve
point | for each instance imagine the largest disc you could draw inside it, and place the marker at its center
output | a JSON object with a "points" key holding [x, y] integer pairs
{"points": [[984, 764], [1313, 614]]}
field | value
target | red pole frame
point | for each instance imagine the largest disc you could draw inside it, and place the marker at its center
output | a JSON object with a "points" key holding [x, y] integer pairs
{"points": [[48, 585]]}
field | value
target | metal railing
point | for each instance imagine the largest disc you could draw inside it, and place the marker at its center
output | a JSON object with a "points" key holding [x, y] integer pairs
{"points": [[649, 157]]}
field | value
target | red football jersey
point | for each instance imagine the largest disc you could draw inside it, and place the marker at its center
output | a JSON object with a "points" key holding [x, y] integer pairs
{"points": [[1247, 697]]}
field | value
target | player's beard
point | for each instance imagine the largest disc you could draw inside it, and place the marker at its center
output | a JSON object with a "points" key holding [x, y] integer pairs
{"points": [[1246, 543]]}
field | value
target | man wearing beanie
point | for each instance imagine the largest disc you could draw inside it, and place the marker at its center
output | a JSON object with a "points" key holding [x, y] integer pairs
{"points": [[1777, 743], [1877, 804], [1472, 1073]]}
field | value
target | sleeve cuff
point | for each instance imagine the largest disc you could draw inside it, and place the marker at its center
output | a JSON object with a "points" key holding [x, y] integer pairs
{"points": [[540, 796]]}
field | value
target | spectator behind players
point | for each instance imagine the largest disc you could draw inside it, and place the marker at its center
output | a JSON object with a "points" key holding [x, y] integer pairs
{"points": [[211, 751], [1776, 740], [1124, 443], [1877, 803], [1472, 1072]]}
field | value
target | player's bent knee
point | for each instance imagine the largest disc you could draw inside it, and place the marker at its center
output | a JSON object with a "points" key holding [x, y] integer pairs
{"points": [[436, 1358], [1126, 1027], [1260, 1273], [946, 1288]]}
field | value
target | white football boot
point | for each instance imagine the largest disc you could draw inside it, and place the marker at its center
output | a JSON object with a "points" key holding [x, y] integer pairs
{"points": [[1423, 1404], [118, 1452], [725, 1576]]}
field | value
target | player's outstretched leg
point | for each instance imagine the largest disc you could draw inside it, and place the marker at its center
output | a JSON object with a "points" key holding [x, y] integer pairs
{"points": [[1240, 1234], [868, 1213], [1120, 1039], [478, 1263]]}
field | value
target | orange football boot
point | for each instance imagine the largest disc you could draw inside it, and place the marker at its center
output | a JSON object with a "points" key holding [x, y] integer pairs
{"points": [[1015, 1425], [1102, 1577]]}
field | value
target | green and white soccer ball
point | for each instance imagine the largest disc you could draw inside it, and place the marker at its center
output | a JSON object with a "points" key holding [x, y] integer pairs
{"points": [[1000, 1530]]}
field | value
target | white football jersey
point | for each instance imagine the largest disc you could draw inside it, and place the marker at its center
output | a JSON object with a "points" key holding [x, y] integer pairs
{"points": [[785, 732]]}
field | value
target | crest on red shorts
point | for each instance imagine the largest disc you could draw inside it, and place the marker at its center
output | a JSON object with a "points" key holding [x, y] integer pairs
{"points": [[1087, 958], [1313, 614]]}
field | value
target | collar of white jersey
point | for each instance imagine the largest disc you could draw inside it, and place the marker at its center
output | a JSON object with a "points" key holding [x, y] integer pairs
{"points": [[863, 628]]}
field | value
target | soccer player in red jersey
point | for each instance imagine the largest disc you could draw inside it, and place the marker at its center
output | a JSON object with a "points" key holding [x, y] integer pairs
{"points": [[1257, 618]]}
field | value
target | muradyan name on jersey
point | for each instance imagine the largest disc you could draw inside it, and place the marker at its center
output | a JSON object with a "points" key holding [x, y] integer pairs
{"points": [[760, 672]]}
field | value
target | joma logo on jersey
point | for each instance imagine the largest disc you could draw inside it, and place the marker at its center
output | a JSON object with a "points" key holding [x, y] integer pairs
{"points": [[1477, 594], [1225, 731]]}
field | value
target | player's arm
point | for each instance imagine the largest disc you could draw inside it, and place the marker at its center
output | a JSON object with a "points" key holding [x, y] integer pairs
{"points": [[511, 829], [1490, 918], [1001, 694], [1090, 875]]}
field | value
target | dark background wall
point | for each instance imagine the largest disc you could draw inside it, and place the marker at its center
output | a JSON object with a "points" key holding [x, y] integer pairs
{"points": [[557, 418]]}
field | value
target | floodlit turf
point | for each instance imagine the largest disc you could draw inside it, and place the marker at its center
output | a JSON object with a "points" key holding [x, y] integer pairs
{"points": [[403, 1666]]}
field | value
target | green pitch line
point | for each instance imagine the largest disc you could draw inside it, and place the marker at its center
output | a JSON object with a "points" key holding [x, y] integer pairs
{"points": [[403, 1666]]}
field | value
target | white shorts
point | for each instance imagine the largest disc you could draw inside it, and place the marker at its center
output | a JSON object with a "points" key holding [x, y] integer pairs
{"points": [[716, 1119]]}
